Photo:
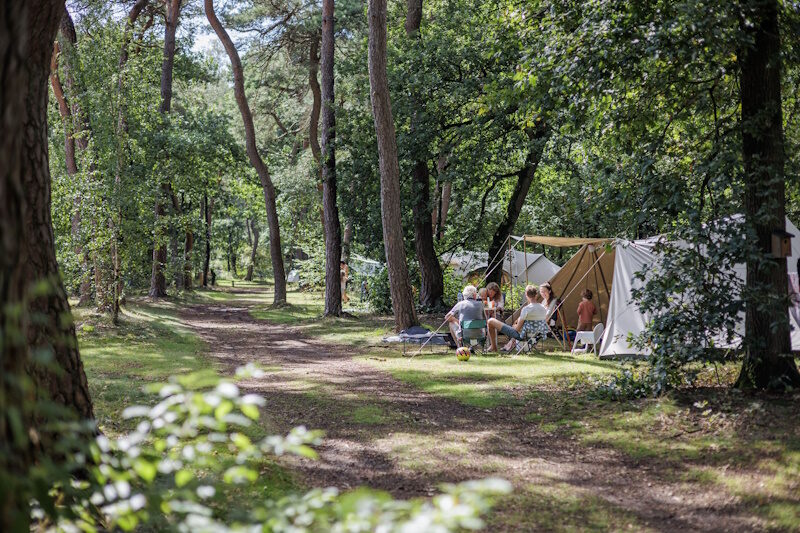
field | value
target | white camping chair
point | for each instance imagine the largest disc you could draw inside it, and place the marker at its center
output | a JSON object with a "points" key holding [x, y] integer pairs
{"points": [[588, 337]]}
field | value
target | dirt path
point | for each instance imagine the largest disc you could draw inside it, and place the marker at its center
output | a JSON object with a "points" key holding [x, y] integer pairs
{"points": [[385, 434]]}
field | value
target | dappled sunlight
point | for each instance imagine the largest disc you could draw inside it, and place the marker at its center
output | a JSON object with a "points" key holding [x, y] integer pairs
{"points": [[407, 424]]}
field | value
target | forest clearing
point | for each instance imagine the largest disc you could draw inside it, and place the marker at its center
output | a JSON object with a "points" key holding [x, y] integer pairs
{"points": [[399, 266]]}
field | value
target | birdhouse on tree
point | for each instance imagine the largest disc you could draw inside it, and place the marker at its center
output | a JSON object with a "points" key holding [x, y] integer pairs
{"points": [[781, 243]]}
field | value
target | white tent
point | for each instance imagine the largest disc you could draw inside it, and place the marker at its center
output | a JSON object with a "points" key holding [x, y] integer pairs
{"points": [[625, 318], [539, 268]]}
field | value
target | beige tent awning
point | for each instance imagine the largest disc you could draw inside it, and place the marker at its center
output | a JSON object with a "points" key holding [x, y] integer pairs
{"points": [[564, 242]]}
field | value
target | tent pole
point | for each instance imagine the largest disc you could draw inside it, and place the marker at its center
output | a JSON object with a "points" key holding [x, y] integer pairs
{"points": [[605, 286], [575, 270], [525, 251], [597, 291]]}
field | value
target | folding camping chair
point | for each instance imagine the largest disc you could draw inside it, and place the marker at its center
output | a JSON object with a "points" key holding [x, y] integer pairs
{"points": [[474, 334], [531, 338], [588, 337]]}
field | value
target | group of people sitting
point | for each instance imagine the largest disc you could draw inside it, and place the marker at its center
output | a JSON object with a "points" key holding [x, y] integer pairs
{"points": [[537, 317]]}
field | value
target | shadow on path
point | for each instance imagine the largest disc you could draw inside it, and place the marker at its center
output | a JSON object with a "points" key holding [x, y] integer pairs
{"points": [[385, 434]]}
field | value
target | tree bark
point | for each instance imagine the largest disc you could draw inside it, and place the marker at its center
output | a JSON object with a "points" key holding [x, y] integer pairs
{"points": [[447, 191], [313, 121], [768, 363], [252, 152], [537, 136], [444, 200], [254, 250], [207, 207], [31, 321], [432, 283], [405, 315], [158, 282], [333, 228]]}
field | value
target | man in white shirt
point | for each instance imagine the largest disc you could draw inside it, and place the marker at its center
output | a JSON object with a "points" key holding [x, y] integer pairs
{"points": [[532, 316], [467, 309]]}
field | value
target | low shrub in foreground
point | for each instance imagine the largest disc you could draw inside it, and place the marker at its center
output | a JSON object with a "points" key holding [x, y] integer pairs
{"points": [[192, 447]]}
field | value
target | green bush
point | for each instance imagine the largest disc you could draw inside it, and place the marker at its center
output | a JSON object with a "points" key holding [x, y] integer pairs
{"points": [[380, 297], [453, 285]]}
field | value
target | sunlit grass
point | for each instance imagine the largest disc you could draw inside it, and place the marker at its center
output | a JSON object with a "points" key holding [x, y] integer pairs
{"points": [[485, 381]]}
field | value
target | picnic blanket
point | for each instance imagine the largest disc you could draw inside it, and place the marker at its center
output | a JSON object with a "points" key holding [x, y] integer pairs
{"points": [[419, 335]]}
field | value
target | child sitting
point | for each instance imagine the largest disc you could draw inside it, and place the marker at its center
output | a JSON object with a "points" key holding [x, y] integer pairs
{"points": [[586, 311]]}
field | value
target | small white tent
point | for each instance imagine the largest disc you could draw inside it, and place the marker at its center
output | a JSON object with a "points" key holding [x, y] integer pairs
{"points": [[625, 318], [518, 267]]}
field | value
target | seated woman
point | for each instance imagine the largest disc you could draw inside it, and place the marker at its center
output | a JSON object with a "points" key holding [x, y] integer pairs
{"points": [[496, 297], [469, 308], [550, 301], [531, 320]]}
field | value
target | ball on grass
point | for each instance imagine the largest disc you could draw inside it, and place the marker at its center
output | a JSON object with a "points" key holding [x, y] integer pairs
{"points": [[463, 353]]}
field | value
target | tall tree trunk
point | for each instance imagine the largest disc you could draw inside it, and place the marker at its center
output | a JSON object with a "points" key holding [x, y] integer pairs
{"points": [[768, 362], [347, 239], [432, 289], [30, 322], [158, 282], [333, 229], [432, 282], [254, 250], [405, 315], [437, 205], [121, 137], [252, 152], [313, 121], [447, 191], [537, 136], [207, 207], [443, 191]]}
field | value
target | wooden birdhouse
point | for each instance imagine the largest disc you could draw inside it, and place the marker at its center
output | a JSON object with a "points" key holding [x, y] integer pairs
{"points": [[781, 243]]}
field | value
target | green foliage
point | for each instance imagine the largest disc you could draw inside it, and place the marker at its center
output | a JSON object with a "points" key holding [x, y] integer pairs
{"points": [[453, 285], [380, 297], [170, 473]]}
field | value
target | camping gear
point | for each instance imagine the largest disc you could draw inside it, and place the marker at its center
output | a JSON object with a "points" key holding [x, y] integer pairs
{"points": [[609, 267], [473, 332], [588, 337], [533, 336], [519, 268], [418, 335]]}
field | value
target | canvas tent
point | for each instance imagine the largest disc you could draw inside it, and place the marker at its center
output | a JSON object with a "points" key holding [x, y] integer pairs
{"points": [[609, 269], [518, 267], [592, 267]]}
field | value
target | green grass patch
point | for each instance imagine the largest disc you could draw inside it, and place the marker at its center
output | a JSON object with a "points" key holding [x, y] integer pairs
{"points": [[486, 381], [148, 346], [554, 506]]}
